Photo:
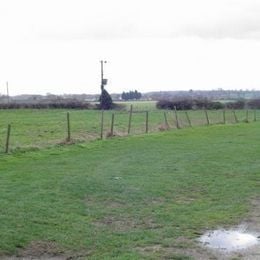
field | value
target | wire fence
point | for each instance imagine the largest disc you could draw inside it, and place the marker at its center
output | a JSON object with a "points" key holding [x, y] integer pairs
{"points": [[34, 129]]}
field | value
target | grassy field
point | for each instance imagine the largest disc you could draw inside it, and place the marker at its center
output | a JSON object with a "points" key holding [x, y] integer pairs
{"points": [[33, 129], [146, 196], [139, 105]]}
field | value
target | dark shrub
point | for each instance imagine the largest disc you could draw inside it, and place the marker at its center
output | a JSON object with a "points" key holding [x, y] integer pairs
{"points": [[65, 104], [165, 104], [180, 104], [187, 104], [183, 104], [253, 104], [215, 105], [105, 100], [202, 103], [240, 104]]}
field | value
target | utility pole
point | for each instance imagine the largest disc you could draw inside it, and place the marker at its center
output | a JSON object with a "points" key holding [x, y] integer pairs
{"points": [[103, 81], [105, 99], [7, 91]]}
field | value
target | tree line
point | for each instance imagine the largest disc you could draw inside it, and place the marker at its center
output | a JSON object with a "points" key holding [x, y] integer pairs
{"points": [[131, 95]]}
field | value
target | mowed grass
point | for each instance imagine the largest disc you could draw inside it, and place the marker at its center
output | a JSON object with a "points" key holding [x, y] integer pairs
{"points": [[119, 197], [34, 129]]}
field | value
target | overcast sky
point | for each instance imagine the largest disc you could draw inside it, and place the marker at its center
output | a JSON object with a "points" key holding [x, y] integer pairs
{"points": [[55, 46]]}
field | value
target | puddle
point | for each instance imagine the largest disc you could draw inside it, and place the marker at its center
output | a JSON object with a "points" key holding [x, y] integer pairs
{"points": [[229, 240]]}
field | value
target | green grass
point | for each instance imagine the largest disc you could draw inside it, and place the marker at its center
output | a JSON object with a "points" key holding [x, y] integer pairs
{"points": [[113, 198], [33, 129], [139, 105]]}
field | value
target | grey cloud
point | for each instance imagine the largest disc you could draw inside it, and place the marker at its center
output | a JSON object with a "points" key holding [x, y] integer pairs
{"points": [[96, 32], [123, 30], [242, 22], [237, 30], [242, 25]]}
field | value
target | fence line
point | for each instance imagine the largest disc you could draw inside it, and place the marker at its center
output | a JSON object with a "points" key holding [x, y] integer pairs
{"points": [[113, 123]]}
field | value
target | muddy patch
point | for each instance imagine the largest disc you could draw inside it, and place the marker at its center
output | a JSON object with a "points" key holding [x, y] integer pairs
{"points": [[155, 201], [184, 248], [115, 216], [125, 224], [45, 250], [39, 250], [176, 251], [242, 242]]}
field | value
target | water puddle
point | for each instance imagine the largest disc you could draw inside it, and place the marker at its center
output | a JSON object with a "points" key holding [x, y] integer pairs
{"points": [[229, 240]]}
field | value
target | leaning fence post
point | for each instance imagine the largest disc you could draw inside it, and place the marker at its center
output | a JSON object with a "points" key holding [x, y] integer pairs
{"points": [[146, 122], [207, 117], [68, 127], [130, 119], [235, 116], [7, 138], [165, 120], [112, 124], [102, 125], [188, 118], [176, 118]]}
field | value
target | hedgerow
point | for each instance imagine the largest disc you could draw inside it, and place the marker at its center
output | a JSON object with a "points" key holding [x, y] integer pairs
{"points": [[58, 105], [188, 104]]}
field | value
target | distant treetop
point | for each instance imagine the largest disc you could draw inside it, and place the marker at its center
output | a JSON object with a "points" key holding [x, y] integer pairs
{"points": [[131, 95]]}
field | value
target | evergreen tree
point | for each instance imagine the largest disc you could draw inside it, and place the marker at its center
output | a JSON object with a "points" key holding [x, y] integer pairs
{"points": [[105, 100], [131, 95]]}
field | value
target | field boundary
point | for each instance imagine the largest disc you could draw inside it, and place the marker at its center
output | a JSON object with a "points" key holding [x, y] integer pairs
{"points": [[73, 127]]}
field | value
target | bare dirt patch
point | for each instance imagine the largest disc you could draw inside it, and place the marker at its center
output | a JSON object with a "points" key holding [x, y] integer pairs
{"points": [[156, 201], [175, 252], [189, 249], [252, 225], [115, 217], [44, 250], [124, 224], [39, 250]]}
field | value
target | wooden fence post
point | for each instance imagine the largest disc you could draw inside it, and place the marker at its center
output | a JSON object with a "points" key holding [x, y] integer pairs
{"points": [[207, 117], [247, 116], [102, 125], [165, 120], [130, 119], [224, 116], [112, 124], [254, 115], [68, 127], [188, 118], [235, 116], [7, 138], [146, 122], [176, 118]]}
